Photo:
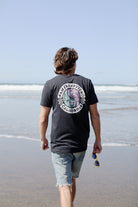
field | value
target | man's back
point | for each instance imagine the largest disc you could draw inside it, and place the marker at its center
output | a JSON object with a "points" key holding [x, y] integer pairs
{"points": [[70, 97]]}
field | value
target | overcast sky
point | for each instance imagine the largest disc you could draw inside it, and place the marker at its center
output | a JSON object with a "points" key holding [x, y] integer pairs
{"points": [[104, 33]]}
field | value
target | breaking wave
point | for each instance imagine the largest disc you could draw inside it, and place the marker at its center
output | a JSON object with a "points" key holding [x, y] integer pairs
{"points": [[39, 87]]}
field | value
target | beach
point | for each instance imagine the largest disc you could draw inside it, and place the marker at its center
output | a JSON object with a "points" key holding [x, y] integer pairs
{"points": [[27, 177], [26, 173]]}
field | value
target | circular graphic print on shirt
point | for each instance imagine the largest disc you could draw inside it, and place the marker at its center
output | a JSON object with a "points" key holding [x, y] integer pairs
{"points": [[71, 98]]}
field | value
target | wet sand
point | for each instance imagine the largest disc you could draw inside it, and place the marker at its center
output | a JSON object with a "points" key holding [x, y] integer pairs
{"points": [[27, 178]]}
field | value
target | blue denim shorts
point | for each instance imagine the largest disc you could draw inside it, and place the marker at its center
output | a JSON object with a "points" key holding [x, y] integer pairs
{"points": [[66, 166]]}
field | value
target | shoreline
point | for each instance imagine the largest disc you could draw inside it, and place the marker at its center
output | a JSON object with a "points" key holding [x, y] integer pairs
{"points": [[21, 137]]}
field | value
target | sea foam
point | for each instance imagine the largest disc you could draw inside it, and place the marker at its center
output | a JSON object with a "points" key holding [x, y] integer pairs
{"points": [[18, 137], [21, 87], [6, 136], [39, 87]]}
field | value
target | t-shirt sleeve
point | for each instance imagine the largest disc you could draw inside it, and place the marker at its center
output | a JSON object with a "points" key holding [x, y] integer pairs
{"points": [[92, 98], [46, 97]]}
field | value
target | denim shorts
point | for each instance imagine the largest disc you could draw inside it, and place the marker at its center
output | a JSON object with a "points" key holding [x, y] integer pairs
{"points": [[66, 166]]}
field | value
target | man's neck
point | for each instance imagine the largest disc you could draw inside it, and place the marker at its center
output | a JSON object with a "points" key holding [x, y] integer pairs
{"points": [[68, 73], [72, 72]]}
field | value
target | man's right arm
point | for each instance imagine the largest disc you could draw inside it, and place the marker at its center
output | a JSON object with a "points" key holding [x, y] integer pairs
{"points": [[95, 120], [43, 124]]}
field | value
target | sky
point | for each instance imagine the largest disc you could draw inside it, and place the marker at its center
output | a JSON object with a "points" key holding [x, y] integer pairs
{"points": [[103, 32]]}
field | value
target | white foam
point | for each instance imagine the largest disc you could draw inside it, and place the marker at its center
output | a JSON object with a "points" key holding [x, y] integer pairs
{"points": [[116, 145], [18, 137], [37, 87], [21, 87], [110, 144], [116, 88]]}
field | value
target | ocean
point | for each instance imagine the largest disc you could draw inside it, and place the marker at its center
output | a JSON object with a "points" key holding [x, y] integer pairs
{"points": [[118, 108]]}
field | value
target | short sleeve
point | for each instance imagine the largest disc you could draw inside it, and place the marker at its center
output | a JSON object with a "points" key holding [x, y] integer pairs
{"points": [[92, 98], [46, 97]]}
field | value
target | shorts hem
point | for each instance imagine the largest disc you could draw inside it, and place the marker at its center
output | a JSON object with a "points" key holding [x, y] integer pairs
{"points": [[75, 176], [67, 184]]}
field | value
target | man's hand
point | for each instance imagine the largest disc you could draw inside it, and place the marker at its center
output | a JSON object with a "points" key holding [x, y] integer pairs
{"points": [[97, 148], [44, 144]]}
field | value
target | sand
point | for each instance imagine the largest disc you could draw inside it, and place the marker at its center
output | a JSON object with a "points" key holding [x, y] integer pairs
{"points": [[27, 178]]}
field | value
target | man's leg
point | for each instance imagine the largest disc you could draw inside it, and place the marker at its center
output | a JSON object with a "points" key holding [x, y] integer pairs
{"points": [[65, 196], [73, 188]]}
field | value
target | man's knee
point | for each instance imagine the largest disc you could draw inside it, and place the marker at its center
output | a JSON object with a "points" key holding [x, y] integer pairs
{"points": [[65, 188]]}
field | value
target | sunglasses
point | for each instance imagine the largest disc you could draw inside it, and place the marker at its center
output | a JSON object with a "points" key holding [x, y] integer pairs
{"points": [[96, 162]]}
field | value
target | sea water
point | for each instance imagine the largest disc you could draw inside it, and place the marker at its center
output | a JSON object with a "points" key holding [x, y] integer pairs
{"points": [[118, 108]]}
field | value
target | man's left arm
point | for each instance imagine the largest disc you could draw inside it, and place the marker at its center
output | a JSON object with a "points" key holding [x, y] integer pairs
{"points": [[43, 124]]}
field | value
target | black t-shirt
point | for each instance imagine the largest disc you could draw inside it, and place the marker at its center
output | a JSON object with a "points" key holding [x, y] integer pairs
{"points": [[70, 97]]}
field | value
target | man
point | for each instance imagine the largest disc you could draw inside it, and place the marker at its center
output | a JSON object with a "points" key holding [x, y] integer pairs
{"points": [[72, 97]]}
